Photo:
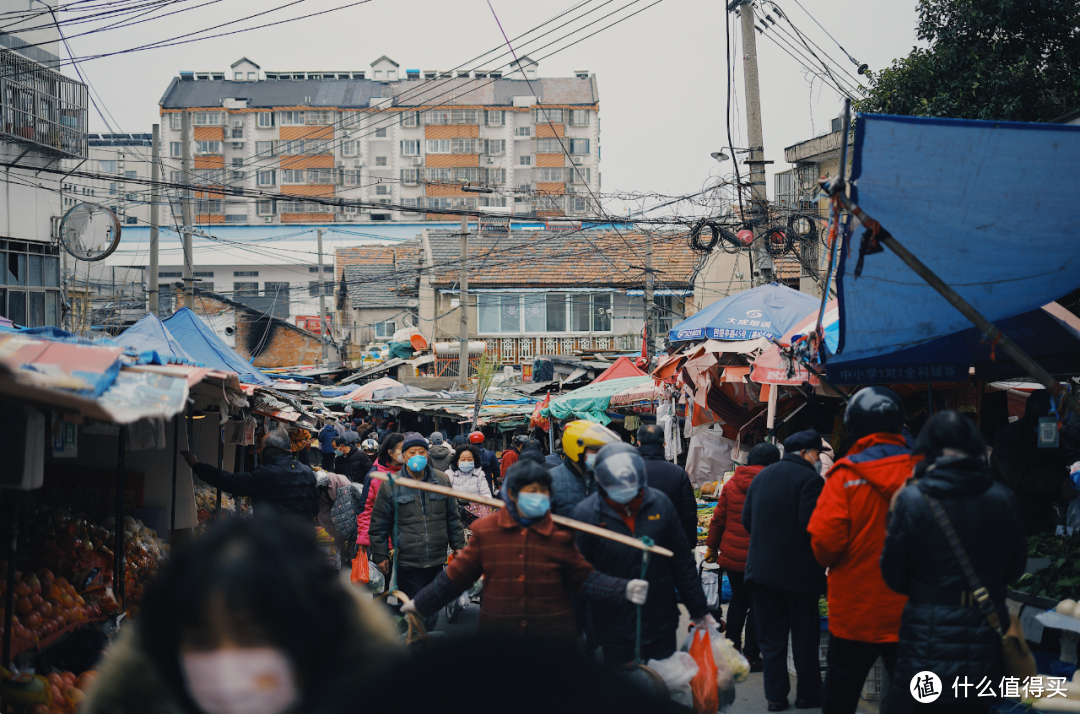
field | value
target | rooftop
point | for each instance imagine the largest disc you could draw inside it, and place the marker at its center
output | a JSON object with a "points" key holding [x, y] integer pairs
{"points": [[378, 285]]}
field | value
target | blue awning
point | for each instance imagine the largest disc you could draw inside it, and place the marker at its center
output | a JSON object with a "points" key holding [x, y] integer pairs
{"points": [[150, 338], [766, 311], [203, 344], [990, 207]]}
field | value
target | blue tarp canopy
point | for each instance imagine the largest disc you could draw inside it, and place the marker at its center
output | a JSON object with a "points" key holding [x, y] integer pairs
{"points": [[150, 336], [766, 311], [202, 344], [988, 206]]}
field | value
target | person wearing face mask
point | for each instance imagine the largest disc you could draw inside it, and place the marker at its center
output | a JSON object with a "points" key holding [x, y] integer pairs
{"points": [[784, 579], [466, 475], [427, 523], [351, 461], [247, 619], [388, 461], [625, 504], [847, 533], [572, 480], [531, 567], [279, 481]]}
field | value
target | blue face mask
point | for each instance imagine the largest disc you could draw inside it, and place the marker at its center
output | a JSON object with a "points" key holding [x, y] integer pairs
{"points": [[417, 463], [533, 505], [590, 462], [465, 466], [621, 494]]}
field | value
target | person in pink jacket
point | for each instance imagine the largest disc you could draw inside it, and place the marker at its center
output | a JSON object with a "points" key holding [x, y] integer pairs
{"points": [[388, 461]]}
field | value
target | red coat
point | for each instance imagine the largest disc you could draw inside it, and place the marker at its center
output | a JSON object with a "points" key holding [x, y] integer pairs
{"points": [[529, 576], [726, 533], [847, 533], [509, 458]]}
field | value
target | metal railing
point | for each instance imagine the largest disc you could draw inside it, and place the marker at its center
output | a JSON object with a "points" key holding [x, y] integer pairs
{"points": [[42, 109]]}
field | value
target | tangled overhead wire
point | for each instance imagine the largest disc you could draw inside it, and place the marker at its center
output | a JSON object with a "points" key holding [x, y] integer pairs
{"points": [[706, 235]]}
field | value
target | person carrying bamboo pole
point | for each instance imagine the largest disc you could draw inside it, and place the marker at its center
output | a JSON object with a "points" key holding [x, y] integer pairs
{"points": [[531, 567]]}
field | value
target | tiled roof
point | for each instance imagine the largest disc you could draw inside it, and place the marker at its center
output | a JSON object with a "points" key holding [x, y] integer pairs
{"points": [[787, 267], [563, 259], [377, 285], [407, 253], [357, 93]]}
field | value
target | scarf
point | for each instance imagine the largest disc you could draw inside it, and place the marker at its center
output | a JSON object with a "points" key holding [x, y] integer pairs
{"points": [[504, 494]]}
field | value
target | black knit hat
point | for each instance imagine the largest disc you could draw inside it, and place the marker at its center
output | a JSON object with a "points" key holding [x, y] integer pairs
{"points": [[412, 439]]}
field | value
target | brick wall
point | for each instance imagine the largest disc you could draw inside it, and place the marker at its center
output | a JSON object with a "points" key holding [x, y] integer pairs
{"points": [[275, 344]]}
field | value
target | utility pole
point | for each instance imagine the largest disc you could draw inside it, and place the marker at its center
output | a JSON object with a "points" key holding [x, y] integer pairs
{"points": [[322, 305], [762, 266], [463, 344], [650, 308], [155, 199], [186, 173]]}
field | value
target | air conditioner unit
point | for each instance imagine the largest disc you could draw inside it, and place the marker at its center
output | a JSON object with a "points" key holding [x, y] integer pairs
{"points": [[238, 122], [268, 219], [341, 164], [417, 161], [356, 162], [490, 160], [578, 161]]}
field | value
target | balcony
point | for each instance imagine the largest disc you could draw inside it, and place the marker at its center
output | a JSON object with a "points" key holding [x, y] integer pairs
{"points": [[42, 109]]}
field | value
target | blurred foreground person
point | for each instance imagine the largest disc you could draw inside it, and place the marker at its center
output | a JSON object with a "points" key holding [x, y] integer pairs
{"points": [[249, 619]]}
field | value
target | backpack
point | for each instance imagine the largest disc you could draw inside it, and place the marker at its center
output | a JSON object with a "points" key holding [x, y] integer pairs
{"points": [[346, 508]]}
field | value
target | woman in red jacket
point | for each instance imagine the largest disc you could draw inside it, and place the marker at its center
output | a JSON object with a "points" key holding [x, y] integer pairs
{"points": [[727, 535]]}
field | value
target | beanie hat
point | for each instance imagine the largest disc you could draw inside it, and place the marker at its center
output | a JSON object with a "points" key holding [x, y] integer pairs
{"points": [[413, 439]]}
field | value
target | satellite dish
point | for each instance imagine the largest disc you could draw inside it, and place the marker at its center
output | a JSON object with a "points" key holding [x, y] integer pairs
{"points": [[412, 302], [89, 232]]}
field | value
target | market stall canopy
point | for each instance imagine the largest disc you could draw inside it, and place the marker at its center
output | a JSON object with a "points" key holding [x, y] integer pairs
{"points": [[765, 311], [591, 402], [639, 394], [622, 367], [401, 390], [988, 206], [204, 345], [365, 391], [149, 335]]}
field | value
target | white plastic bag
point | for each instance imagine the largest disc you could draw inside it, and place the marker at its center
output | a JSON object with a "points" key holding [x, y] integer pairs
{"points": [[676, 671], [739, 665], [376, 581], [710, 583]]}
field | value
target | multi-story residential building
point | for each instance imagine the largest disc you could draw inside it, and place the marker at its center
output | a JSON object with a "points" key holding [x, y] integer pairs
{"points": [[382, 144], [44, 122], [126, 158]]}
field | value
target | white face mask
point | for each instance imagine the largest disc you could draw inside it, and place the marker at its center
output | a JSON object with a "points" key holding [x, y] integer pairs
{"points": [[256, 680]]}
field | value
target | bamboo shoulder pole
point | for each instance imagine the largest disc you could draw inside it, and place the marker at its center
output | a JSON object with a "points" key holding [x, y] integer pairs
{"points": [[496, 503]]}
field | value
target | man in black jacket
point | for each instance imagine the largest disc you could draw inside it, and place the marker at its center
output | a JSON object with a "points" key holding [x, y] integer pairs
{"points": [[669, 478], [625, 504], [351, 461], [279, 481], [784, 577]]}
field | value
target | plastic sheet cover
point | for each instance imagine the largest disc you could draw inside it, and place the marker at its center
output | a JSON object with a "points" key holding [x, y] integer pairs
{"points": [[990, 207], [202, 344]]}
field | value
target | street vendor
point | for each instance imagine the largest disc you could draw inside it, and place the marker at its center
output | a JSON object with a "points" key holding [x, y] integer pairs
{"points": [[279, 481], [531, 567]]}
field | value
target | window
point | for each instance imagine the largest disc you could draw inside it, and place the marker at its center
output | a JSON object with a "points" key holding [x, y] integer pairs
{"points": [[579, 146], [579, 117], [495, 147], [542, 115], [170, 275], [410, 119], [451, 116], [108, 167], [293, 176], [465, 146], [315, 285], [176, 149], [243, 290], [350, 177], [377, 74], [290, 118], [252, 76], [245, 273], [238, 76], [350, 148], [385, 330], [590, 313], [295, 146], [264, 208], [267, 178], [524, 161], [238, 163], [380, 161], [548, 146], [548, 175], [325, 269], [523, 131], [176, 120], [493, 118], [207, 147], [537, 313], [266, 120], [382, 190], [265, 148], [237, 133], [112, 186], [437, 146], [380, 133], [318, 117], [495, 176], [499, 313], [204, 207], [208, 118], [581, 175], [320, 175], [410, 176], [410, 147], [555, 304], [317, 146]]}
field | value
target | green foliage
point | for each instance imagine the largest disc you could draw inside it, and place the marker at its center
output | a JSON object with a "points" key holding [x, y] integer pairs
{"points": [[1007, 60], [1059, 580]]}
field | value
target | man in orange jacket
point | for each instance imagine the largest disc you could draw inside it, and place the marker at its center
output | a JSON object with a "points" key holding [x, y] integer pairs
{"points": [[847, 533]]}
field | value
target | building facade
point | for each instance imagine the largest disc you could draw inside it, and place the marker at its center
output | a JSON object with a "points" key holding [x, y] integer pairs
{"points": [[382, 144]]}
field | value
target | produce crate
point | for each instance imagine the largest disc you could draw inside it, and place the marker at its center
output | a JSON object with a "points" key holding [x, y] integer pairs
{"points": [[823, 648], [875, 682]]}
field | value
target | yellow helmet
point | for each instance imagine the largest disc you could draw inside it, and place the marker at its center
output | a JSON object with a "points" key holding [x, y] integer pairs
{"points": [[577, 435]]}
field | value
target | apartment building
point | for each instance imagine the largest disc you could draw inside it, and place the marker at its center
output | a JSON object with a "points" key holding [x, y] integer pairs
{"points": [[44, 122], [382, 144]]}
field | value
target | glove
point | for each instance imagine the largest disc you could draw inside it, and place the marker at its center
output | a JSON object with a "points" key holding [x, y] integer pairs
{"points": [[408, 607], [637, 591], [710, 555]]}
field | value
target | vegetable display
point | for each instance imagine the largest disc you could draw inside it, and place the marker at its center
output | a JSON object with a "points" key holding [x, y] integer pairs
{"points": [[1060, 579], [53, 693]]}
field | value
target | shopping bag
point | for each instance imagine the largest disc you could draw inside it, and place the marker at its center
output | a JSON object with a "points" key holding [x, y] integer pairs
{"points": [[703, 685], [360, 572]]}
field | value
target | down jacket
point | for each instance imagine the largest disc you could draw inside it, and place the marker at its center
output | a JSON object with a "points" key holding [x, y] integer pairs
{"points": [[568, 488], [726, 533], [673, 481], [476, 481], [278, 481], [428, 523], [938, 632]]}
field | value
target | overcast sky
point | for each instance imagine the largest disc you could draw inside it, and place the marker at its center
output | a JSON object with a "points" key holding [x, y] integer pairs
{"points": [[661, 73]]}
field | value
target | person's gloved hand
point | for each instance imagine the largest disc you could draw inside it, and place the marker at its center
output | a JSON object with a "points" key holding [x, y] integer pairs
{"points": [[637, 591], [706, 621], [710, 555], [408, 607]]}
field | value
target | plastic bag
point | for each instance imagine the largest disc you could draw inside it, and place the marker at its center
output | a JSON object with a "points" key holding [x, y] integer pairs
{"points": [[710, 583], [360, 571], [703, 686], [376, 581], [677, 671], [723, 649], [725, 589]]}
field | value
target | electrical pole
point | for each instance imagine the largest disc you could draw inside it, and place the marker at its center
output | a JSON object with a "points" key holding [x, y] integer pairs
{"points": [[463, 344], [155, 199], [763, 266], [322, 305], [187, 174], [650, 308]]}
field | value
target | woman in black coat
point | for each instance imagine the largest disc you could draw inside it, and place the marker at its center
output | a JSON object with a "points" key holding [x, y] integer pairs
{"points": [[942, 631]]}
